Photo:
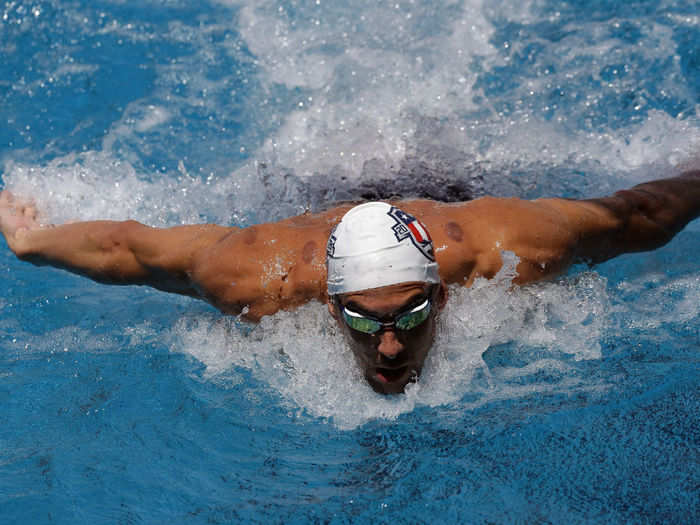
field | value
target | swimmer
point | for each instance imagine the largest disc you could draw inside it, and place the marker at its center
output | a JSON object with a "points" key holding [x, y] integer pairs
{"points": [[382, 268]]}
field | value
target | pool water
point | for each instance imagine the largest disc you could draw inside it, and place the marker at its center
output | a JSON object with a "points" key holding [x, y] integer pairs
{"points": [[571, 401]]}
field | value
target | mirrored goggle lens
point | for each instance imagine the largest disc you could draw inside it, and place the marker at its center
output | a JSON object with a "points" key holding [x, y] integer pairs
{"points": [[407, 321], [360, 322], [414, 318]]}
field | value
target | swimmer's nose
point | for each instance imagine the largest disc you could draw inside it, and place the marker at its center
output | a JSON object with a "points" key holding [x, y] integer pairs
{"points": [[389, 345]]}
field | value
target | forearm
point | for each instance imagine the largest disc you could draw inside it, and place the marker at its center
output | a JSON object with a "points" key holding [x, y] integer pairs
{"points": [[117, 252], [646, 216]]}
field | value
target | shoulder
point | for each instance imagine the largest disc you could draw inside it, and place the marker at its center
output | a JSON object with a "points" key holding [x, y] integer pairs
{"points": [[267, 267], [464, 238], [470, 237], [478, 222]]}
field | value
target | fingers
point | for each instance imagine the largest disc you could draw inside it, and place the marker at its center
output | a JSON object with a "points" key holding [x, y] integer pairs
{"points": [[29, 212], [22, 207], [16, 213], [6, 197]]}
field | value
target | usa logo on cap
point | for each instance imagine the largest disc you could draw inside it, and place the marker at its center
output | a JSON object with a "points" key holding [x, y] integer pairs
{"points": [[330, 246], [408, 226]]}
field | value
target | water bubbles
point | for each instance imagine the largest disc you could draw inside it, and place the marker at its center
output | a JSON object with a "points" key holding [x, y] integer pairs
{"points": [[314, 371], [336, 97], [344, 85]]}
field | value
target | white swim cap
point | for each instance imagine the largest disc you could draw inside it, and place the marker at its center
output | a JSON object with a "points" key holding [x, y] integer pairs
{"points": [[376, 244]]}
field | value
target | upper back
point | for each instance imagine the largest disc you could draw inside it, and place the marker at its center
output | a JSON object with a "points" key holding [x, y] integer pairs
{"points": [[280, 265]]}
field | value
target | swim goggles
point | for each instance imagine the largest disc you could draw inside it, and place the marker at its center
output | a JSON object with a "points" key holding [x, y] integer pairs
{"points": [[370, 325]]}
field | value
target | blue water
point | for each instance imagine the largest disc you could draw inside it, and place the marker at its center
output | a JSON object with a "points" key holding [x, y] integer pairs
{"points": [[574, 401]]}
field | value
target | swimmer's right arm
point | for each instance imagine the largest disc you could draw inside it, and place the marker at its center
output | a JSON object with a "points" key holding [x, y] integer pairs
{"points": [[108, 251], [252, 271]]}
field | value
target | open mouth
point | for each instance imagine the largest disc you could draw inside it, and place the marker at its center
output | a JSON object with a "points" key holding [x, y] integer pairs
{"points": [[389, 375]]}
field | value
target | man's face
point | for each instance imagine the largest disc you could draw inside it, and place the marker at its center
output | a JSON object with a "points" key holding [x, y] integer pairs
{"points": [[390, 358]]}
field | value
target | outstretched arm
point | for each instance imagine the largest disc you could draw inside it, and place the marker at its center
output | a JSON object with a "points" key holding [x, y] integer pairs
{"points": [[108, 251], [550, 234], [255, 271], [641, 218]]}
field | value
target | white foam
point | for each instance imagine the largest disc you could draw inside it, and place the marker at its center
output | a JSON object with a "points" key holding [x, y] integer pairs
{"points": [[93, 186], [365, 90], [371, 81], [155, 116], [314, 371], [364, 94], [96, 185], [655, 300]]}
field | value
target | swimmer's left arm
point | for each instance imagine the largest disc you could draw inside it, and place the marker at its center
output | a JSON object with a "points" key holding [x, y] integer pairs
{"points": [[641, 218], [548, 235]]}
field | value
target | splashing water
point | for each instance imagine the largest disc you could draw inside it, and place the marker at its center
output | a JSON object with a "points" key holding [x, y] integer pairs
{"points": [[330, 81], [567, 401], [314, 371]]}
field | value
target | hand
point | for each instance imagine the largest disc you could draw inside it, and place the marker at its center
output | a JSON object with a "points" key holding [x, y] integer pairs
{"points": [[16, 217]]}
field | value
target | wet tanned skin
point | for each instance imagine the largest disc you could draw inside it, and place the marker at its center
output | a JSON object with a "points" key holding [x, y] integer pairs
{"points": [[259, 270], [262, 269], [391, 358]]}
